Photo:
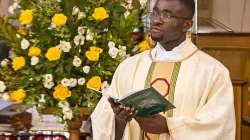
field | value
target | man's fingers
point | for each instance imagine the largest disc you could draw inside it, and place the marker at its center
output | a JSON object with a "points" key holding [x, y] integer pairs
{"points": [[112, 102], [123, 113], [118, 109], [128, 112], [132, 115]]}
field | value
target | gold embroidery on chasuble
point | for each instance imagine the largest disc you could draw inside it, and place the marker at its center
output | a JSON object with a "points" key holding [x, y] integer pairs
{"points": [[162, 76]]}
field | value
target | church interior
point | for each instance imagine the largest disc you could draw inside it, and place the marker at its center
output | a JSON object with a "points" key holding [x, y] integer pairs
{"points": [[221, 29]]}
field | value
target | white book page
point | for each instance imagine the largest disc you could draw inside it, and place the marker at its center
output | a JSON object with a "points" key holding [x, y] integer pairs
{"points": [[104, 94], [111, 96], [131, 93]]}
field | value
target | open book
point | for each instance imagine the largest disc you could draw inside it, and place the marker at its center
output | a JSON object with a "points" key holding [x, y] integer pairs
{"points": [[147, 101]]}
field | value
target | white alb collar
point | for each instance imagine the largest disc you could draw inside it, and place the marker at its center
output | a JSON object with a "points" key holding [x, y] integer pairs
{"points": [[162, 54]]}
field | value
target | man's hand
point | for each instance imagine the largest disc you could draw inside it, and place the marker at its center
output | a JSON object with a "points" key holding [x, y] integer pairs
{"points": [[156, 124], [122, 116], [21, 121]]}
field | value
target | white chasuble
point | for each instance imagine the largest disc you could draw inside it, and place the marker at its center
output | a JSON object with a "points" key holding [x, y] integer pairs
{"points": [[198, 85]]}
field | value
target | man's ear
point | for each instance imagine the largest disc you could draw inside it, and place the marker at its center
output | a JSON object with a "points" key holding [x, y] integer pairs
{"points": [[187, 25]]}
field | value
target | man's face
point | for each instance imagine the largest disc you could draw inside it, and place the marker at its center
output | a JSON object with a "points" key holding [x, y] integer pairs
{"points": [[174, 28]]}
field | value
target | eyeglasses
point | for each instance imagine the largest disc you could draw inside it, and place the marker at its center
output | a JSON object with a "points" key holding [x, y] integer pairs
{"points": [[165, 16]]}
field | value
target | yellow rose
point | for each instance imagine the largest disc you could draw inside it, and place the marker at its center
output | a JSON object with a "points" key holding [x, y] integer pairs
{"points": [[59, 19], [92, 55], [96, 49], [26, 17], [18, 63], [22, 31], [143, 46], [34, 51], [17, 96], [53, 54], [61, 92], [100, 14], [95, 83]]}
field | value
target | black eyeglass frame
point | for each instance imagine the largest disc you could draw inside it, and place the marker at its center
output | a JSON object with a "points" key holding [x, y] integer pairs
{"points": [[169, 13]]}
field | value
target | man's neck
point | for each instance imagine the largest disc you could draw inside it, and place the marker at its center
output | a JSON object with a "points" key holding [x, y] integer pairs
{"points": [[170, 45]]}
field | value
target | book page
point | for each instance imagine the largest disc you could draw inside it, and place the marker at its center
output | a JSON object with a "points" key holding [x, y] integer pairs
{"points": [[107, 95], [131, 93]]}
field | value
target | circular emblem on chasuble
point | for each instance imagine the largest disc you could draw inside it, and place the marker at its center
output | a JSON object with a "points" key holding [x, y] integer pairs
{"points": [[161, 85]]}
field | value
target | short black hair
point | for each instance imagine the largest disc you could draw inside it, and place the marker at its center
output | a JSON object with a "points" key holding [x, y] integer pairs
{"points": [[190, 4]]}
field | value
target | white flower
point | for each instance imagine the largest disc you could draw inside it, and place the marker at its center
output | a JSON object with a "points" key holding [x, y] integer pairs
{"points": [[113, 51], [16, 5], [63, 104], [128, 6], [42, 99], [135, 48], [34, 61], [77, 61], [66, 109], [18, 36], [81, 81], [58, 0], [48, 85], [143, 3], [111, 44], [68, 114], [105, 86], [81, 15], [81, 30], [65, 46], [79, 40], [5, 97], [48, 78], [73, 82], [89, 35], [53, 25], [12, 54], [2, 86], [59, 47], [129, 1], [86, 69], [25, 44], [4, 62], [65, 82], [126, 14], [75, 11], [11, 10], [122, 53], [124, 48]]}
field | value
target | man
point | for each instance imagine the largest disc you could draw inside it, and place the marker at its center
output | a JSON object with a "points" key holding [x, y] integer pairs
{"points": [[200, 86]]}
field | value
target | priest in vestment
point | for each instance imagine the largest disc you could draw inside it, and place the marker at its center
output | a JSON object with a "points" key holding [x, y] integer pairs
{"points": [[198, 85]]}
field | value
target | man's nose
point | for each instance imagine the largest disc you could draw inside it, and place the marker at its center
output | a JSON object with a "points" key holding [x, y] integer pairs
{"points": [[157, 20]]}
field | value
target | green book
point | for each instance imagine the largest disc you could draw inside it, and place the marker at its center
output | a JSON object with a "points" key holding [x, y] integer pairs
{"points": [[147, 101]]}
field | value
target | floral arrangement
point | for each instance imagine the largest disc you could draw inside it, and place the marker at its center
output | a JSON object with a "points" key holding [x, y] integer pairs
{"points": [[64, 47]]}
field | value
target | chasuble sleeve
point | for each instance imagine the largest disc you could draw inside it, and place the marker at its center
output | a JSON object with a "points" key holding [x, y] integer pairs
{"points": [[102, 119], [216, 118]]}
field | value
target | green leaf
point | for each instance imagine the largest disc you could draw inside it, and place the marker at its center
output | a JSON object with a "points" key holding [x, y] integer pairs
{"points": [[69, 66], [119, 10], [122, 23]]}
